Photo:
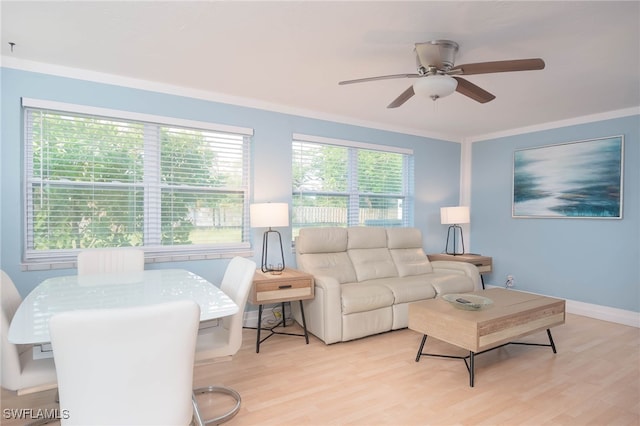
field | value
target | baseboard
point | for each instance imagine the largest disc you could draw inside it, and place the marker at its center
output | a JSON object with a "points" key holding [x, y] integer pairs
{"points": [[250, 318], [604, 313]]}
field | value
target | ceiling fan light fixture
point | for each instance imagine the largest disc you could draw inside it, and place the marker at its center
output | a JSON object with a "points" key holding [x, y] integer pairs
{"points": [[435, 86]]}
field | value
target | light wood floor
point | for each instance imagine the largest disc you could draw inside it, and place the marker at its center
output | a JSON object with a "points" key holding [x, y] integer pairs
{"points": [[594, 379]]}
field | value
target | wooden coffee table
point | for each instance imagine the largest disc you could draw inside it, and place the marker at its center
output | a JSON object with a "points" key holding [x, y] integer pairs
{"points": [[513, 314]]}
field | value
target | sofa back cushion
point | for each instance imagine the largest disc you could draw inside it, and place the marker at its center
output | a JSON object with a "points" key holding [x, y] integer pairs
{"points": [[405, 247], [402, 238], [360, 237], [336, 265], [372, 263], [322, 252], [321, 240], [411, 261]]}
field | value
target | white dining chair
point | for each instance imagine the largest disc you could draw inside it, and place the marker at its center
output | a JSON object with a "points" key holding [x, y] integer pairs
{"points": [[20, 372], [96, 261], [127, 366], [223, 341]]}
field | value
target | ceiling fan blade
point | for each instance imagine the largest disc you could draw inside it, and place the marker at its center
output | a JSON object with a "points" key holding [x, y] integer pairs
{"points": [[404, 97], [499, 66], [476, 93], [382, 77]]}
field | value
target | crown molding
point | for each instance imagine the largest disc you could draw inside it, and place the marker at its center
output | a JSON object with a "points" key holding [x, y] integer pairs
{"points": [[558, 124], [99, 77], [118, 80]]}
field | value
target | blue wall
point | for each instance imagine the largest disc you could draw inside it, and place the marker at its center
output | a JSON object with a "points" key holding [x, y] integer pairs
{"points": [[436, 176], [588, 260]]}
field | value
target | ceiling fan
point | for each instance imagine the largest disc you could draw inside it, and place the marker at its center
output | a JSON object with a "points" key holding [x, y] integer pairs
{"points": [[437, 76]]}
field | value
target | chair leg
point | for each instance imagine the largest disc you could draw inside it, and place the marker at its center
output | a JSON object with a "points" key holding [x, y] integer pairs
{"points": [[222, 418], [197, 417]]}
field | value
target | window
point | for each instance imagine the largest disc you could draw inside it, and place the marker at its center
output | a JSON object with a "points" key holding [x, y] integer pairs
{"points": [[342, 183], [113, 179]]}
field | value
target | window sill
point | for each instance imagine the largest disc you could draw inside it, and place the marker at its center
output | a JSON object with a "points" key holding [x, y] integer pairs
{"points": [[153, 258]]}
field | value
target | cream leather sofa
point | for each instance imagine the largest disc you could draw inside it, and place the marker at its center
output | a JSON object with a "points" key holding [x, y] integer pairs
{"points": [[365, 278]]}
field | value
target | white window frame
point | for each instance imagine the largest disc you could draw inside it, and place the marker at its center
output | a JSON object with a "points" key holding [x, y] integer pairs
{"points": [[154, 252], [352, 192]]}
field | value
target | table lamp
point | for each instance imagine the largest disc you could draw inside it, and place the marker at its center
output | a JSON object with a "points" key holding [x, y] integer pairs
{"points": [[454, 216], [270, 215]]}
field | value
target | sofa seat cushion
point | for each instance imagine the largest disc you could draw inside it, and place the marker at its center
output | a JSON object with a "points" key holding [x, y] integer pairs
{"points": [[361, 297], [449, 282], [408, 289]]}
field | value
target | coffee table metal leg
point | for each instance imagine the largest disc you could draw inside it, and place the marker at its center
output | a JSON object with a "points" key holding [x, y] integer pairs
{"points": [[424, 340], [469, 360], [551, 344]]}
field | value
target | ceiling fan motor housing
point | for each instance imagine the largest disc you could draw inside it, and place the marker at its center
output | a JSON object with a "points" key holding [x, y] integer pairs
{"points": [[445, 57]]}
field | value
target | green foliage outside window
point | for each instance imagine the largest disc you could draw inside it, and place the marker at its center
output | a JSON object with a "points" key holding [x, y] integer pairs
{"points": [[76, 161], [88, 177]]}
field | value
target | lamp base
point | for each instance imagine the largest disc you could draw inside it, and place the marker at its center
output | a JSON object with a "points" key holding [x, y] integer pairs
{"points": [[455, 229], [265, 253]]}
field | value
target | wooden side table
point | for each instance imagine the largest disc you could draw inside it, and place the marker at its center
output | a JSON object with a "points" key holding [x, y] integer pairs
{"points": [[484, 263], [288, 286]]}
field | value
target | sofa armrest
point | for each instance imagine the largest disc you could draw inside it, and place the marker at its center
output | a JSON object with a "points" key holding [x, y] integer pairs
{"points": [[461, 267], [323, 313]]}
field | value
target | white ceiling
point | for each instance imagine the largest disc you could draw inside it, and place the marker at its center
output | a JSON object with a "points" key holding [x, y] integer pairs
{"points": [[289, 56]]}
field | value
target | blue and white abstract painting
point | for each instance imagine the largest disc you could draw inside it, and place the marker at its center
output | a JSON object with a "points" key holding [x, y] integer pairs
{"points": [[572, 180]]}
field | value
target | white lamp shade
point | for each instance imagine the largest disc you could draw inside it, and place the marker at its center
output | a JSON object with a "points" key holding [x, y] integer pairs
{"points": [[435, 86], [454, 215], [268, 215]]}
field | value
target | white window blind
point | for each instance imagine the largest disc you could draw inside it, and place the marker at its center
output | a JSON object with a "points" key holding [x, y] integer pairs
{"points": [[350, 184], [99, 181]]}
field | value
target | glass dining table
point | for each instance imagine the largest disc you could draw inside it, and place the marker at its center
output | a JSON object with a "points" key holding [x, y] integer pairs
{"points": [[30, 324]]}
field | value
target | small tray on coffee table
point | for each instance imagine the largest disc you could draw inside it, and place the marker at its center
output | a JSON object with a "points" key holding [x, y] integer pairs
{"points": [[469, 302]]}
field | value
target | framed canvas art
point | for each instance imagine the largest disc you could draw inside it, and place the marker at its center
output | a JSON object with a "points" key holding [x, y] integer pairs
{"points": [[580, 179]]}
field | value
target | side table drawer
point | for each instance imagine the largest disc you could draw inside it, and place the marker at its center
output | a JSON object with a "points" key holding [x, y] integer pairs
{"points": [[292, 289], [287, 286], [483, 265]]}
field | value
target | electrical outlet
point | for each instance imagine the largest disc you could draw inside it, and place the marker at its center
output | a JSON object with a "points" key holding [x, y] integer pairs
{"points": [[511, 281]]}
